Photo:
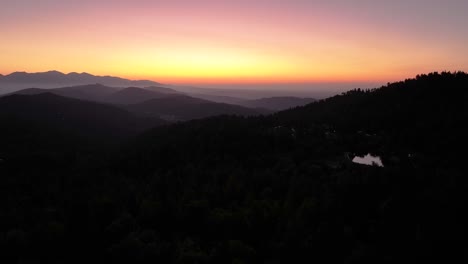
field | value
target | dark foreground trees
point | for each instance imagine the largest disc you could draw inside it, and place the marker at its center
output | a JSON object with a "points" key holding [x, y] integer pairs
{"points": [[276, 189]]}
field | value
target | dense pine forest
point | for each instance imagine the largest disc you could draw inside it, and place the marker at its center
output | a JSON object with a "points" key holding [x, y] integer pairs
{"points": [[279, 188]]}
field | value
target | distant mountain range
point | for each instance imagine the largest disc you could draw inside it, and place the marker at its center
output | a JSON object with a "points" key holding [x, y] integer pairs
{"points": [[165, 103], [121, 91], [182, 108], [134, 95], [53, 79], [103, 94], [278, 103], [95, 92]]}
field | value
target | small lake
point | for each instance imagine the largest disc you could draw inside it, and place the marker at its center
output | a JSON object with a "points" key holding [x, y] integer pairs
{"points": [[368, 160]]}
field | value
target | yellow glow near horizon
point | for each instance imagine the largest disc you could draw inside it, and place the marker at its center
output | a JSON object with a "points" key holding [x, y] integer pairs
{"points": [[215, 41]]}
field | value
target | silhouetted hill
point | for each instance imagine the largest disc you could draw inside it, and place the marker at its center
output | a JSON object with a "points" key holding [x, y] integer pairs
{"points": [[220, 99], [162, 90], [167, 105], [278, 103], [185, 108], [291, 173], [80, 119], [264, 189], [92, 92], [133, 95], [33, 91], [271, 103], [52, 79], [423, 113]]}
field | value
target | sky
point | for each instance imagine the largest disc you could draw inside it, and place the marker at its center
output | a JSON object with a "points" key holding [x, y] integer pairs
{"points": [[236, 42]]}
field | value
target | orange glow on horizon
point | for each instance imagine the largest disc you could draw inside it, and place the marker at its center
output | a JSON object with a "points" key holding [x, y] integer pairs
{"points": [[227, 42]]}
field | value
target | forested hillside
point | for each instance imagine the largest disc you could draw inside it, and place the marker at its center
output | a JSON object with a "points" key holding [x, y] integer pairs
{"points": [[274, 189]]}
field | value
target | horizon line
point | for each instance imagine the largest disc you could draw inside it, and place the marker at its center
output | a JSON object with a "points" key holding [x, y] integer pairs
{"points": [[232, 80]]}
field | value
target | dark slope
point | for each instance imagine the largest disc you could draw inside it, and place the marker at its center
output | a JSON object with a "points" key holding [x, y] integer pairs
{"points": [[425, 100], [134, 95], [283, 186], [271, 103], [426, 113], [182, 108], [33, 91], [100, 93], [275, 189], [91, 92], [79, 119], [164, 90], [278, 103], [164, 104], [219, 99]]}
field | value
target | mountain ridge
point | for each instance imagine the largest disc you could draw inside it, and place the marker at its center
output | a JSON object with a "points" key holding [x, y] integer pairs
{"points": [[166, 104], [133, 95], [278, 103], [53, 79], [183, 108], [73, 116]]}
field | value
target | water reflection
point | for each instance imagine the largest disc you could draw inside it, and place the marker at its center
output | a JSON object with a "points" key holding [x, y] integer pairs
{"points": [[368, 160]]}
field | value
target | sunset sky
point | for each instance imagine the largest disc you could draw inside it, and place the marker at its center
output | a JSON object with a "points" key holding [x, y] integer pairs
{"points": [[219, 42]]}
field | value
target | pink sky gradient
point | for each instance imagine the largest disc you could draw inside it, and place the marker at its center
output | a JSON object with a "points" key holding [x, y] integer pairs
{"points": [[236, 41]]}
